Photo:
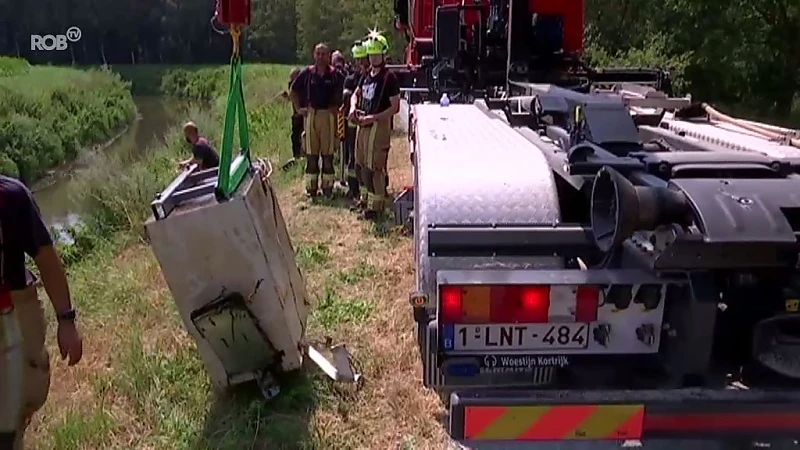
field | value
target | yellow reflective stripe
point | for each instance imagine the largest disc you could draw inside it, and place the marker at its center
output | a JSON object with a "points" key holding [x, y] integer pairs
{"points": [[604, 421], [332, 142], [373, 134], [11, 378], [309, 129], [340, 124], [514, 422], [311, 180]]}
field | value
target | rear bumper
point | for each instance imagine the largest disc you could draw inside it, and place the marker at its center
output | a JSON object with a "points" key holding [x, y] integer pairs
{"points": [[503, 416]]}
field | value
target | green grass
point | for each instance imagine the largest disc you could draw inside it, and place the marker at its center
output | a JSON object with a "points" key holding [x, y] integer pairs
{"points": [[49, 114]]}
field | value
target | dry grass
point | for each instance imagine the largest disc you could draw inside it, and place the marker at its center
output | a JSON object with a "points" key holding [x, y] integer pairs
{"points": [[142, 385]]}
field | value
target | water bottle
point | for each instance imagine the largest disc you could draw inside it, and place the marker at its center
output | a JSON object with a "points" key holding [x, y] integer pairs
{"points": [[444, 101]]}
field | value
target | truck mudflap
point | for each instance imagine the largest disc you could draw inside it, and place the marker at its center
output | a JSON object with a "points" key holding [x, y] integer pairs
{"points": [[485, 416]]}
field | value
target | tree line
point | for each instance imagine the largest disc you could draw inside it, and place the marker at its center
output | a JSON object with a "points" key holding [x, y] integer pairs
{"points": [[739, 52]]}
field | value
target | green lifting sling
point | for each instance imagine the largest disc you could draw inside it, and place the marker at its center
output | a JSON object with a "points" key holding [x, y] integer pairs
{"points": [[232, 170]]}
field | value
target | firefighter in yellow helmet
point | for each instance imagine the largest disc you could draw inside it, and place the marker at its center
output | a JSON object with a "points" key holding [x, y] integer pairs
{"points": [[351, 83], [372, 106]]}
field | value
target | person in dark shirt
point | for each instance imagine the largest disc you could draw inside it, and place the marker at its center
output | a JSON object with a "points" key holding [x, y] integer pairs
{"points": [[339, 62], [317, 95], [373, 104], [297, 123], [203, 154], [351, 83], [24, 361]]}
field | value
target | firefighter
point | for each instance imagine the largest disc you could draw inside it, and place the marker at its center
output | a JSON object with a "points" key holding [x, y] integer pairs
{"points": [[297, 121], [339, 62], [350, 85], [373, 104], [316, 94], [24, 360]]}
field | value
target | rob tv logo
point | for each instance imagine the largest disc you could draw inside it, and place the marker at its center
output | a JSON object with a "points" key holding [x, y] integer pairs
{"points": [[55, 42]]}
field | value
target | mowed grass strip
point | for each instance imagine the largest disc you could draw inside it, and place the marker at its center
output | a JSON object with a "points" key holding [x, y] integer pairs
{"points": [[142, 384]]}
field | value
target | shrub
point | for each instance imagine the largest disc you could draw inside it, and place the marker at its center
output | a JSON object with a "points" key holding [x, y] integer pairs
{"points": [[48, 114]]}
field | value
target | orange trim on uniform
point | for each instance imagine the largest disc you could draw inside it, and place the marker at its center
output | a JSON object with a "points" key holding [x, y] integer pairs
{"points": [[554, 423], [5, 299]]}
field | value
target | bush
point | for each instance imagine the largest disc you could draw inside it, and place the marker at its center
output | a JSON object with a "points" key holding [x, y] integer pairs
{"points": [[202, 85], [48, 114], [13, 66]]}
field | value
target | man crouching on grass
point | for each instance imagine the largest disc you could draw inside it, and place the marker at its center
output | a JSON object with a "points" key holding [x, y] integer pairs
{"points": [[24, 361], [203, 154]]}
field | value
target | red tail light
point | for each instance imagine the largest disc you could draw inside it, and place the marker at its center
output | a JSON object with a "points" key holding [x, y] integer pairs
{"points": [[586, 303], [510, 303], [451, 310], [534, 304]]}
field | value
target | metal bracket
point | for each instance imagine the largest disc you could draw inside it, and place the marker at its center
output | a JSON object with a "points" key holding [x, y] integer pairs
{"points": [[341, 369]]}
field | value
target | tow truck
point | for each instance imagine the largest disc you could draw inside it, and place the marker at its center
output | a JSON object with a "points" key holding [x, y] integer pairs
{"points": [[596, 259]]}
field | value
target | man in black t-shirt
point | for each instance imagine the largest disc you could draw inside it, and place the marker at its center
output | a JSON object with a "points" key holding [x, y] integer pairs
{"points": [[203, 154], [24, 361], [373, 104]]}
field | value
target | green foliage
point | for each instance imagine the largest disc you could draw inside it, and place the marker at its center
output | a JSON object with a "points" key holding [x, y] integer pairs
{"points": [[202, 85], [13, 66], [735, 52], [48, 114], [653, 53], [119, 189], [742, 54]]}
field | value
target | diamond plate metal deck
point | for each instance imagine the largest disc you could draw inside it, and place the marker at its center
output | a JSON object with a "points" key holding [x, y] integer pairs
{"points": [[473, 168]]}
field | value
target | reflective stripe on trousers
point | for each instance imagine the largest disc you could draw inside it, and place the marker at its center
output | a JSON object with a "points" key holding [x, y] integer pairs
{"points": [[12, 372], [317, 135]]}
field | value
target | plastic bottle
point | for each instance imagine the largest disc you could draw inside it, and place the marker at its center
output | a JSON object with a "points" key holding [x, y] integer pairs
{"points": [[444, 101]]}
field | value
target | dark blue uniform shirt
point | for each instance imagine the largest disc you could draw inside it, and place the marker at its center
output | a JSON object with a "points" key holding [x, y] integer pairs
{"points": [[319, 91], [22, 231]]}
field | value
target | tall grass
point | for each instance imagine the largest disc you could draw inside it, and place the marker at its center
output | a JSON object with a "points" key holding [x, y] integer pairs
{"points": [[48, 114], [119, 189]]}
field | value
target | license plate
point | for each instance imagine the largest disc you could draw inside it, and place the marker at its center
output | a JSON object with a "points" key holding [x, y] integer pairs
{"points": [[563, 336]]}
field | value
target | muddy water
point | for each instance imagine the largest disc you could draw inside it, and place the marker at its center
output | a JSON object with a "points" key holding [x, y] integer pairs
{"points": [[56, 194]]}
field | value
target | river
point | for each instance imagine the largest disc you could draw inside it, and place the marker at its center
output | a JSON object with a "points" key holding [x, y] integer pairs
{"points": [[56, 193]]}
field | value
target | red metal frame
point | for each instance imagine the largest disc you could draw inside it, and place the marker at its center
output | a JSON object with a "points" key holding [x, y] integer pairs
{"points": [[422, 17], [233, 12]]}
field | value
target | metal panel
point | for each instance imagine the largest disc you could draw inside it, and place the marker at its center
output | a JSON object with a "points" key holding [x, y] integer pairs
{"points": [[472, 168], [565, 241], [730, 136]]}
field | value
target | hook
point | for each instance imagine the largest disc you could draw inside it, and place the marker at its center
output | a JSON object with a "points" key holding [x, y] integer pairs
{"points": [[235, 34]]}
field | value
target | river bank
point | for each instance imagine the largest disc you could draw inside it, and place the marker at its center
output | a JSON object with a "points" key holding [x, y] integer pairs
{"points": [[59, 195], [49, 114]]}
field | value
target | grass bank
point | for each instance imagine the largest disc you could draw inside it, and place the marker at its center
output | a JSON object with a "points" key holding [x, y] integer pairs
{"points": [[48, 114], [142, 385]]}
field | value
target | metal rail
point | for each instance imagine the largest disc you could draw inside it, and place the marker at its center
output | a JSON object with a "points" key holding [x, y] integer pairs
{"points": [[190, 184]]}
